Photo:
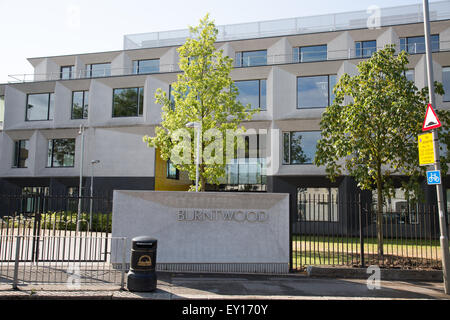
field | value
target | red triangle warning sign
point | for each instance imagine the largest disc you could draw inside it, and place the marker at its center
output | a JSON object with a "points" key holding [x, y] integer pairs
{"points": [[431, 120]]}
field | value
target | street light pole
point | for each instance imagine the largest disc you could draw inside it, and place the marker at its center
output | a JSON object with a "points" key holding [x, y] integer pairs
{"points": [[93, 162], [437, 166], [80, 132]]}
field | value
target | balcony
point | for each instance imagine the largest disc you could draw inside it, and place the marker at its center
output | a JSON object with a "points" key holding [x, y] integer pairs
{"points": [[292, 26], [258, 58], [86, 74]]}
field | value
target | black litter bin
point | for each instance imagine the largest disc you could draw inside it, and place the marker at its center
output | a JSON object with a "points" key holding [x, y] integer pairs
{"points": [[142, 274]]}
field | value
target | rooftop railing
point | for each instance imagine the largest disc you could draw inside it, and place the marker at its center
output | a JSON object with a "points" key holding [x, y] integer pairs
{"points": [[251, 61], [374, 16]]}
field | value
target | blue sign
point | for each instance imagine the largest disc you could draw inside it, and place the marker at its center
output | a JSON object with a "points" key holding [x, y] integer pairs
{"points": [[434, 177]]}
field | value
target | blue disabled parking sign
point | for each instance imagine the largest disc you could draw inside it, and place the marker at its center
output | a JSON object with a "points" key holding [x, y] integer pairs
{"points": [[434, 177]]}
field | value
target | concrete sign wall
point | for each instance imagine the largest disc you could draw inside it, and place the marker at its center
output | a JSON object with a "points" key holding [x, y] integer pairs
{"points": [[208, 232]]}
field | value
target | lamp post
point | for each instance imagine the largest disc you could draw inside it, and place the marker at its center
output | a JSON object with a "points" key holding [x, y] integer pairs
{"points": [[80, 132], [198, 126], [93, 162]]}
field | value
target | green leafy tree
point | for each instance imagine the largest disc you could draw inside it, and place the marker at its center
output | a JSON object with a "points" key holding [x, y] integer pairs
{"points": [[206, 94], [372, 126]]}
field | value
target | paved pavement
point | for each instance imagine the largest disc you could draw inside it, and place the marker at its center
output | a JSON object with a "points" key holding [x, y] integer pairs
{"points": [[219, 286]]}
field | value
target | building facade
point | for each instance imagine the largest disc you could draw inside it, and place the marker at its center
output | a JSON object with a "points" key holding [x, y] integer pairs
{"points": [[286, 68]]}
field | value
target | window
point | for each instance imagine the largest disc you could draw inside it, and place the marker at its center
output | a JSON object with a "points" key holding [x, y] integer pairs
{"points": [[247, 170], [409, 74], [80, 103], [61, 153], [317, 204], [253, 92], [20, 156], [146, 66], [315, 91], [251, 58], [30, 203], [172, 172], [98, 70], [67, 72], [365, 49], [128, 102], [300, 147], [446, 83], [417, 44], [397, 209], [40, 106], [310, 53], [35, 190]]}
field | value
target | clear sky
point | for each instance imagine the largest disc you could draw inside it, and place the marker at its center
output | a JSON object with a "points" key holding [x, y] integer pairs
{"points": [[36, 28]]}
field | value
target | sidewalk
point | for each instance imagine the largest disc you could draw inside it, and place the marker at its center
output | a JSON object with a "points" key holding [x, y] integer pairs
{"points": [[237, 286]]}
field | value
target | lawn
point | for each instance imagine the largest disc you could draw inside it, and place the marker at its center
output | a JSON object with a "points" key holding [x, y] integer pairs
{"points": [[323, 250]]}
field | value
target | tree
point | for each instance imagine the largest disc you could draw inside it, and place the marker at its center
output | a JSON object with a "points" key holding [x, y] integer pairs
{"points": [[206, 94], [372, 126]]}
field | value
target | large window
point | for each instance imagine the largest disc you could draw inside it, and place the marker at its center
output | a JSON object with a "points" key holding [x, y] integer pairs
{"points": [[146, 66], [251, 58], [253, 92], [446, 83], [40, 106], [365, 49], [20, 156], [300, 147], [128, 102], [397, 208], [247, 170], [98, 70], [310, 53], [315, 91], [30, 202], [61, 153], [67, 72], [80, 103], [417, 44], [317, 204]]}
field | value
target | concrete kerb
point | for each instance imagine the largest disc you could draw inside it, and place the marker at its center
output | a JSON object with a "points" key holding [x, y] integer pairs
{"points": [[386, 274]]}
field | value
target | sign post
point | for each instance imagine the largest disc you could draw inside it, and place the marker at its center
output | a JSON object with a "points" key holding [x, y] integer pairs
{"points": [[437, 166]]}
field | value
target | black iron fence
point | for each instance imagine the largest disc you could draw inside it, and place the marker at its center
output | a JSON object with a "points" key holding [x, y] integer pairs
{"points": [[326, 230], [39, 215]]}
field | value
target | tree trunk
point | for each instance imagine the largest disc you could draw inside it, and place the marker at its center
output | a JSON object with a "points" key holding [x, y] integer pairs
{"points": [[379, 213]]}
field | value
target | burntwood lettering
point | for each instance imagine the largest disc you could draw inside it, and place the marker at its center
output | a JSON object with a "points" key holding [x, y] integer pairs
{"points": [[198, 215]]}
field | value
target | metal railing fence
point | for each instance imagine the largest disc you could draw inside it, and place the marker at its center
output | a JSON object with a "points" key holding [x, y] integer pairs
{"points": [[68, 261], [300, 25], [326, 230], [257, 60]]}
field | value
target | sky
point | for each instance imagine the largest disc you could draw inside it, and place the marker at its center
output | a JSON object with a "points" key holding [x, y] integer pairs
{"points": [[57, 27]]}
